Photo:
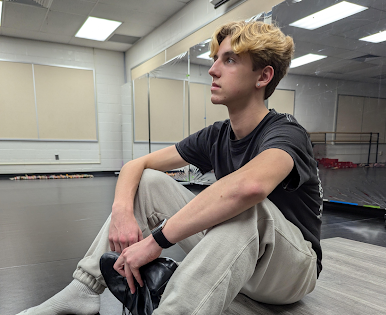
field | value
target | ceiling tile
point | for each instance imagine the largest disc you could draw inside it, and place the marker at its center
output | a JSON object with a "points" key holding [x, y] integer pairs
{"points": [[162, 7], [19, 16], [117, 12], [353, 66], [375, 49], [346, 25], [35, 35], [372, 27], [126, 14], [134, 4], [102, 45], [62, 23], [79, 7], [134, 29]]}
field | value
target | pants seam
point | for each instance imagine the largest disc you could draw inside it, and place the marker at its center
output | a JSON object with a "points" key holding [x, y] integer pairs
{"points": [[226, 272]]}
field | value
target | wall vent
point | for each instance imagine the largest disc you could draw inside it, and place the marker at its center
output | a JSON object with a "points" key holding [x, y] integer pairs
{"points": [[365, 58], [36, 3], [123, 39]]}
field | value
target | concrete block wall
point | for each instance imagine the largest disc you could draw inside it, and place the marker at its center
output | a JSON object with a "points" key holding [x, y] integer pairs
{"points": [[39, 156]]}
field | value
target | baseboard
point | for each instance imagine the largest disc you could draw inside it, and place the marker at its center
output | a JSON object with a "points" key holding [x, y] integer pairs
{"points": [[95, 174]]}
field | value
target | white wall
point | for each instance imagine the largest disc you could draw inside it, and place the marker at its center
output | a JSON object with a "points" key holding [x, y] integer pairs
{"points": [[39, 156]]}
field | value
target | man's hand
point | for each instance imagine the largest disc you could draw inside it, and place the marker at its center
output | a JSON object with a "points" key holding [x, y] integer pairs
{"points": [[134, 257], [124, 231]]}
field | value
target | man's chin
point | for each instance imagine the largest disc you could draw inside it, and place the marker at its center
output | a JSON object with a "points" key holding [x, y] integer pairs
{"points": [[216, 101]]}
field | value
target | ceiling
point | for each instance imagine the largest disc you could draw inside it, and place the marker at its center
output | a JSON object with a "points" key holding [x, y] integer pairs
{"points": [[59, 20], [347, 57]]}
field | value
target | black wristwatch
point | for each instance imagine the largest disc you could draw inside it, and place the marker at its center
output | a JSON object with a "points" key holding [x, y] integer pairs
{"points": [[160, 237]]}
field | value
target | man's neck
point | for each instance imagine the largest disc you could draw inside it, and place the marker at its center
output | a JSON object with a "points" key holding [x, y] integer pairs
{"points": [[245, 120]]}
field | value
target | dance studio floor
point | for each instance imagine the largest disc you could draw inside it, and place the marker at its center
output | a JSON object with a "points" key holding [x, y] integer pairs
{"points": [[46, 226]]}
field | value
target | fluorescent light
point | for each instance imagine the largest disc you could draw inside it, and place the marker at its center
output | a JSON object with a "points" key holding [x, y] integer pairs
{"points": [[375, 38], [297, 62], [329, 15], [97, 29], [1, 7], [205, 56]]}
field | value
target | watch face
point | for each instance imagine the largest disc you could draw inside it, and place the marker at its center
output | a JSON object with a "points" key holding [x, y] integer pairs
{"points": [[159, 227]]}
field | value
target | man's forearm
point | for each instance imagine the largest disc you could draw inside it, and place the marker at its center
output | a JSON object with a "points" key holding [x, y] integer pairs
{"points": [[231, 195], [131, 173], [127, 184], [219, 202]]}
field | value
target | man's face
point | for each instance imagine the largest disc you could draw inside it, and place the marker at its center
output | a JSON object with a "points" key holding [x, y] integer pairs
{"points": [[234, 81]]}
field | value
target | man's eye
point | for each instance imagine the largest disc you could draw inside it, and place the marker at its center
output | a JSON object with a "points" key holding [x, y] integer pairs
{"points": [[229, 60]]}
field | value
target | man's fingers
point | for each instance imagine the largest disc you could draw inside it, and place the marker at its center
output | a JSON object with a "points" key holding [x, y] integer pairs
{"points": [[130, 279], [137, 276], [118, 266], [117, 247], [124, 245], [112, 247], [140, 236]]}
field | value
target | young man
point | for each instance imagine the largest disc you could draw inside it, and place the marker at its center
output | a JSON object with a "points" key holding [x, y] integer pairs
{"points": [[255, 231]]}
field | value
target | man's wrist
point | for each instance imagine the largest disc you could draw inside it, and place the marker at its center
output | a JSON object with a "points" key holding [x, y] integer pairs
{"points": [[159, 237]]}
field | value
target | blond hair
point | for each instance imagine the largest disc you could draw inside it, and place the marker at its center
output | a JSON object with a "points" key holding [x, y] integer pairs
{"points": [[266, 44]]}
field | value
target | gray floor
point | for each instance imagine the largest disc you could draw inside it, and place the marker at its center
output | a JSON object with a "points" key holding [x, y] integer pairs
{"points": [[47, 226]]}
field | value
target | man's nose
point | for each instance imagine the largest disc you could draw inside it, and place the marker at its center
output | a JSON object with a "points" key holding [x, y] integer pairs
{"points": [[213, 71]]}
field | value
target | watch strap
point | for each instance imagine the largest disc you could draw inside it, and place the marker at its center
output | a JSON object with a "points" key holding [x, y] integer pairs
{"points": [[160, 238]]}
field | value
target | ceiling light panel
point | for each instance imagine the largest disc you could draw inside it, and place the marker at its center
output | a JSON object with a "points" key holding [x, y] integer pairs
{"points": [[329, 15], [97, 28], [1, 7], [297, 62], [375, 38], [205, 56]]}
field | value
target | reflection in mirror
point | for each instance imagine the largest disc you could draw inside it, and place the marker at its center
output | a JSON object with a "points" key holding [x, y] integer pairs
{"points": [[168, 102], [338, 76], [142, 143], [169, 115], [202, 111]]}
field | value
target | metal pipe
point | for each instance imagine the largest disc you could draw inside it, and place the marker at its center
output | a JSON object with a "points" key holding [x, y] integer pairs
{"points": [[148, 108], [368, 157]]}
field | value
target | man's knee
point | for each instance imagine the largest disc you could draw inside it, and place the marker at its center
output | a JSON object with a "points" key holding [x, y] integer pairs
{"points": [[153, 181]]}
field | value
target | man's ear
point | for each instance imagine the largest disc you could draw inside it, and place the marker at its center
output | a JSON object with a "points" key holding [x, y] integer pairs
{"points": [[265, 77]]}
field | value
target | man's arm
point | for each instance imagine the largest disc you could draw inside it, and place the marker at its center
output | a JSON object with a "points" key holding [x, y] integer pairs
{"points": [[124, 230], [231, 195], [221, 201]]}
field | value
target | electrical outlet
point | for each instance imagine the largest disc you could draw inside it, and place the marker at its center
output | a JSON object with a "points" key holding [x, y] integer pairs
{"points": [[56, 156]]}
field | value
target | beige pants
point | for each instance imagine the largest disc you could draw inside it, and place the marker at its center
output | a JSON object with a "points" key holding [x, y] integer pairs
{"points": [[257, 253]]}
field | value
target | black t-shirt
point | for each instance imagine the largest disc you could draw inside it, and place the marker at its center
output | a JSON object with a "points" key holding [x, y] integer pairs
{"points": [[299, 197]]}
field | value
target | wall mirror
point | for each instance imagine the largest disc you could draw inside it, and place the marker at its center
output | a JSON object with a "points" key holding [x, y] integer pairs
{"points": [[202, 111], [338, 74]]}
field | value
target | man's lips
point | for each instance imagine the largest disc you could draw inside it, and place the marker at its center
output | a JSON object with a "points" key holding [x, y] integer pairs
{"points": [[214, 86]]}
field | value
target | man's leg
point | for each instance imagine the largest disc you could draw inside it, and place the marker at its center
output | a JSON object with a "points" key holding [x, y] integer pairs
{"points": [[258, 253], [158, 197]]}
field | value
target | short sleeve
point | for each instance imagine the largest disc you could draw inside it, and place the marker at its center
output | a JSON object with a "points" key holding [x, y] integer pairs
{"points": [[195, 149], [293, 139]]}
